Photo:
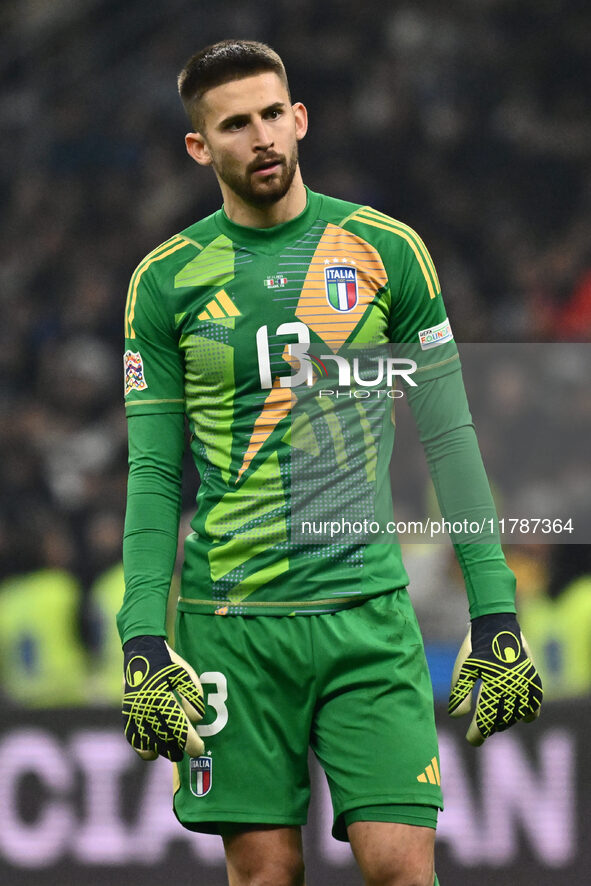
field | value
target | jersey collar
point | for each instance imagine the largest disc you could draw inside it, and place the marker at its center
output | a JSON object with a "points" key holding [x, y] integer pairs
{"points": [[275, 238]]}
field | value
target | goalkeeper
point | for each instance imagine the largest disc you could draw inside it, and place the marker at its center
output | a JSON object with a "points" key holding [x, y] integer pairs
{"points": [[297, 645]]}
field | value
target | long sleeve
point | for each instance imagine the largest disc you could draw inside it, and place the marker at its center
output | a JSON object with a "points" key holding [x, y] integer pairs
{"points": [[156, 445], [154, 403], [440, 409]]}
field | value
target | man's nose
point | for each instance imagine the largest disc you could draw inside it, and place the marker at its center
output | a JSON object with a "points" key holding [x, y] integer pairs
{"points": [[263, 139]]}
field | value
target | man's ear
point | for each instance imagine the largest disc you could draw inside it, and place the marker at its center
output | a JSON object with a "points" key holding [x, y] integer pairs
{"points": [[197, 148], [301, 119]]}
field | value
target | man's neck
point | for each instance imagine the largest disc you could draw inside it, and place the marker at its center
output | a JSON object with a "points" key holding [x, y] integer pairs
{"points": [[291, 205]]}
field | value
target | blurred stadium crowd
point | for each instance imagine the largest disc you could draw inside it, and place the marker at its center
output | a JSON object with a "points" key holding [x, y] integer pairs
{"points": [[465, 119]]}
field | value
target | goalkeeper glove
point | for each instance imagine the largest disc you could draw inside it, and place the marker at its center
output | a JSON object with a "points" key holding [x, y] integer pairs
{"points": [[496, 653], [155, 723]]}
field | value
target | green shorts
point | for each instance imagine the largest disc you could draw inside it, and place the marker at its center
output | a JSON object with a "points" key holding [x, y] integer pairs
{"points": [[352, 685]]}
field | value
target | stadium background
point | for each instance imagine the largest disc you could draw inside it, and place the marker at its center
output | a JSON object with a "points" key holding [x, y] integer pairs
{"points": [[468, 121]]}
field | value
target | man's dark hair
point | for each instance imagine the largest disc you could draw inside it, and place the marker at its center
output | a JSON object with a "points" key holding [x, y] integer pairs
{"points": [[220, 63]]}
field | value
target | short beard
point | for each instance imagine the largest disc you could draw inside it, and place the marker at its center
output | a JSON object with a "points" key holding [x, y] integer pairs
{"points": [[262, 193]]}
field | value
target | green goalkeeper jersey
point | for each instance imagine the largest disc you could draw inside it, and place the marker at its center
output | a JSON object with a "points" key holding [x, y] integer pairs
{"points": [[213, 318]]}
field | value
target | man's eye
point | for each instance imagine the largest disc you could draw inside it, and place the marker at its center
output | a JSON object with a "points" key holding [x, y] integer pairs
{"points": [[274, 114], [233, 125]]}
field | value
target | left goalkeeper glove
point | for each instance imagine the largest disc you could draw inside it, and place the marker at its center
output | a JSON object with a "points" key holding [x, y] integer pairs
{"points": [[496, 653]]}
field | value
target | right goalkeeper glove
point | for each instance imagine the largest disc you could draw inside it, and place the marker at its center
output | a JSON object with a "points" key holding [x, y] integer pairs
{"points": [[155, 723]]}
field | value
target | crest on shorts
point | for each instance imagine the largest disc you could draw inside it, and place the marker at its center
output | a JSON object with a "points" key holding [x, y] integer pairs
{"points": [[200, 775], [341, 286], [134, 372]]}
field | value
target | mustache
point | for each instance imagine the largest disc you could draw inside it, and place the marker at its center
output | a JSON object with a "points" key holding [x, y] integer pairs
{"points": [[267, 160]]}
